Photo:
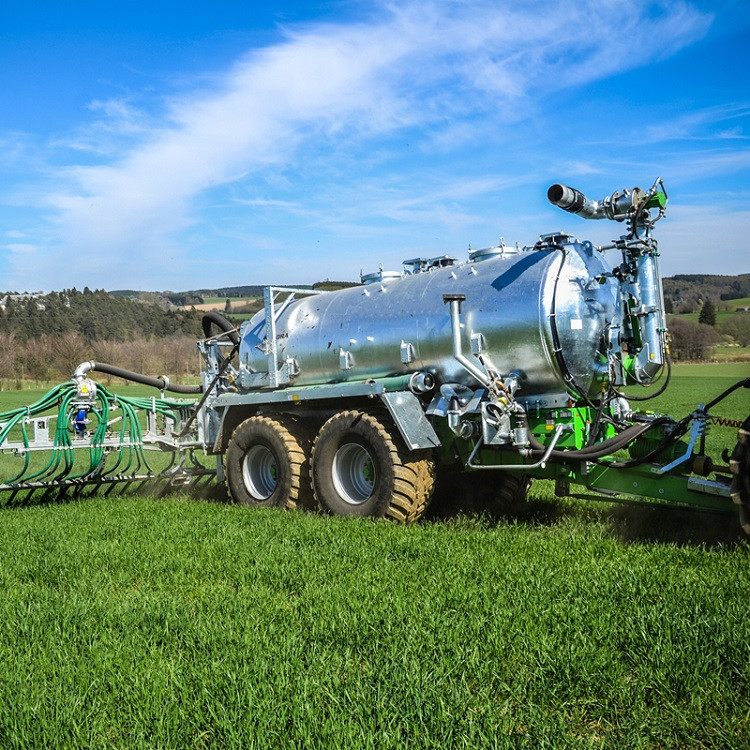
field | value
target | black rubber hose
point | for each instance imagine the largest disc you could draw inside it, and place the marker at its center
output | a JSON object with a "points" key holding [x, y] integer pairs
{"points": [[136, 377], [214, 318], [739, 384], [600, 450], [656, 393], [557, 349]]}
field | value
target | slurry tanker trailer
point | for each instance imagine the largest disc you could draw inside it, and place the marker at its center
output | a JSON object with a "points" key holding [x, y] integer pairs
{"points": [[508, 367]]}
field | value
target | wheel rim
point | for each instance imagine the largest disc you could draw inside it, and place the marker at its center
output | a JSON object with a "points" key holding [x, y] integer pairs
{"points": [[353, 473], [259, 472]]}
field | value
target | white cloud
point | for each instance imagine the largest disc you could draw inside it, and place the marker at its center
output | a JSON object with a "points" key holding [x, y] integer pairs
{"points": [[21, 248], [435, 65], [700, 125], [709, 163]]}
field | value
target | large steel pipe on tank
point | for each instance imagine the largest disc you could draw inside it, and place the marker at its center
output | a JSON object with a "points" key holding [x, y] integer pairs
{"points": [[616, 206]]}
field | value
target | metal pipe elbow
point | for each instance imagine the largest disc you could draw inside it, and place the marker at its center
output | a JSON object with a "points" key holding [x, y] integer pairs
{"points": [[83, 369]]}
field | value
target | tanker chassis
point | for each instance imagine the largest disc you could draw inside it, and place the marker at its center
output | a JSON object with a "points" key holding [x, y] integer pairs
{"points": [[499, 370]]}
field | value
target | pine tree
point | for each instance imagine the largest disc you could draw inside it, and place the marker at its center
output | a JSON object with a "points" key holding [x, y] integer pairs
{"points": [[707, 314]]}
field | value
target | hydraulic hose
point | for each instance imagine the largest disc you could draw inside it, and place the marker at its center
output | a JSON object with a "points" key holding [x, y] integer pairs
{"points": [[214, 318], [659, 391], [162, 382], [739, 384], [600, 450], [679, 431]]}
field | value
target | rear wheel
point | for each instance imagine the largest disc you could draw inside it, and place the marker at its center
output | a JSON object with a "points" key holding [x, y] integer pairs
{"points": [[267, 463], [739, 464], [360, 468]]}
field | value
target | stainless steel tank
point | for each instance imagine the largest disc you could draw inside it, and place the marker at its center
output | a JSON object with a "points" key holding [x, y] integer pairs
{"points": [[520, 306]]}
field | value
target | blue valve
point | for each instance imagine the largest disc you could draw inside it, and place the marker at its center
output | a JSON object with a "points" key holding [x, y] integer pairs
{"points": [[80, 421]]}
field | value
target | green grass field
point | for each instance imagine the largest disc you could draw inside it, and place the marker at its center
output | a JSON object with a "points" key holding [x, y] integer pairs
{"points": [[135, 622], [235, 301], [733, 303], [721, 316]]}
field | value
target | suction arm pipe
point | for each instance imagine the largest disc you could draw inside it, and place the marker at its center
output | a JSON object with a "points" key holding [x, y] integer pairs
{"points": [[616, 206]]}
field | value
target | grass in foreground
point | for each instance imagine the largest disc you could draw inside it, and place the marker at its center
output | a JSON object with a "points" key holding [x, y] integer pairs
{"points": [[178, 623], [143, 623]]}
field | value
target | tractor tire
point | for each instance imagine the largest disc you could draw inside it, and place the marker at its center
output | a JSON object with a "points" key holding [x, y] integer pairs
{"points": [[512, 488], [267, 463], [360, 468], [739, 464]]}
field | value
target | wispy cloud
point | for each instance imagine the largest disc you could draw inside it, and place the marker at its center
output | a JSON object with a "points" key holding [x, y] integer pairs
{"points": [[704, 124], [21, 248], [337, 89]]}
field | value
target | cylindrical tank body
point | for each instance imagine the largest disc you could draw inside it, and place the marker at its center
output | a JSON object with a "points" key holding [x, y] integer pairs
{"points": [[514, 302]]}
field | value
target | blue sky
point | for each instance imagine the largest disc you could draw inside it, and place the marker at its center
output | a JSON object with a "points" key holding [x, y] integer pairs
{"points": [[178, 146]]}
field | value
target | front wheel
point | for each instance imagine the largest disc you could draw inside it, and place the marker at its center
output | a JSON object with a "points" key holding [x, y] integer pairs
{"points": [[266, 463], [360, 468]]}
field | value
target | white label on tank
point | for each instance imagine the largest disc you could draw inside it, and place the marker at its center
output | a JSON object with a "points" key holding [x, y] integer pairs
{"points": [[576, 324]]}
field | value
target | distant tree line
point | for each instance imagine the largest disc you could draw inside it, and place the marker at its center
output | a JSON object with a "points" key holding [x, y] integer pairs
{"points": [[256, 290], [691, 340], [686, 293], [739, 288], [252, 290], [44, 337], [55, 357], [184, 299], [163, 299], [97, 316]]}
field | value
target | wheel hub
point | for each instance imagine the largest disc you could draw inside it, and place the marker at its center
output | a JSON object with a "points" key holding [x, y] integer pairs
{"points": [[353, 473], [259, 472]]}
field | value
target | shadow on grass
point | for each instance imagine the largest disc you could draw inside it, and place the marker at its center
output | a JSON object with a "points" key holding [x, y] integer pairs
{"points": [[452, 500], [203, 487], [679, 526], [630, 523]]}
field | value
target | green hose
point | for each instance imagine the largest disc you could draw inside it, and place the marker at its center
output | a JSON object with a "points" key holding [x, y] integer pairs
{"points": [[109, 453]]}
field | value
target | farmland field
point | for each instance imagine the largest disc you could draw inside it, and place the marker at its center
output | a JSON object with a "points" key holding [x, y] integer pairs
{"points": [[218, 303], [135, 622]]}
